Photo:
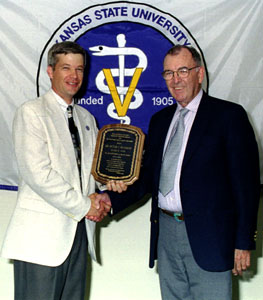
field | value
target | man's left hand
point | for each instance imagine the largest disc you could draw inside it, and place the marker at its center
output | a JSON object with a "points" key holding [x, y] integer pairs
{"points": [[242, 261], [116, 186]]}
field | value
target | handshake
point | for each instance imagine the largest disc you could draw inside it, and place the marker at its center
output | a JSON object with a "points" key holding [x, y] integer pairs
{"points": [[101, 204]]}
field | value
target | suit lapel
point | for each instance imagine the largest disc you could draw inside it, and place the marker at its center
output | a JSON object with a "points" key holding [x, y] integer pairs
{"points": [[198, 128], [88, 140], [60, 125], [166, 122]]}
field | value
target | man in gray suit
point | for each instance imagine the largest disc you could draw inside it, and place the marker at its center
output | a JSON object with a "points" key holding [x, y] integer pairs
{"points": [[48, 235]]}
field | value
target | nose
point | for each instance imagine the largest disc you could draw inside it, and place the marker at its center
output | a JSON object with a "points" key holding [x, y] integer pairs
{"points": [[74, 73], [176, 77]]}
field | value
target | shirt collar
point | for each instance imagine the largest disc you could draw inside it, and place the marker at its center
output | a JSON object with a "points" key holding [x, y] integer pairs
{"points": [[193, 105], [61, 101]]}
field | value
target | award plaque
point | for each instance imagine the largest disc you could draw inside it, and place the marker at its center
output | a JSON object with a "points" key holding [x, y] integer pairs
{"points": [[118, 153]]}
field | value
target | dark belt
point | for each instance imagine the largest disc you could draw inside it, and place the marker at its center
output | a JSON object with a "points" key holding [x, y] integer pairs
{"points": [[178, 216]]}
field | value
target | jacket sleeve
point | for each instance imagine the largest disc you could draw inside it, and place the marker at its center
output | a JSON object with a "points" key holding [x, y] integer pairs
{"points": [[243, 161]]}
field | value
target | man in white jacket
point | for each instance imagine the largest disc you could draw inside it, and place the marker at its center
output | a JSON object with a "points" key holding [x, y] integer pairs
{"points": [[48, 235]]}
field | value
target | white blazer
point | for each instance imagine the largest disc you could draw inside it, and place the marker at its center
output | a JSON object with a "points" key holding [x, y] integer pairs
{"points": [[50, 202]]}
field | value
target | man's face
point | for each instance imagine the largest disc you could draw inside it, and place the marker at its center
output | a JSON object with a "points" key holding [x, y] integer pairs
{"points": [[67, 76], [183, 89]]}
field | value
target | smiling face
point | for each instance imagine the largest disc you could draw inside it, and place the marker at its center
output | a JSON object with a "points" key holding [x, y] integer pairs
{"points": [[67, 75], [183, 89]]}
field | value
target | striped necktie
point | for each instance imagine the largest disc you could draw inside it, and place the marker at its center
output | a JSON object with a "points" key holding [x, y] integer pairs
{"points": [[75, 136]]}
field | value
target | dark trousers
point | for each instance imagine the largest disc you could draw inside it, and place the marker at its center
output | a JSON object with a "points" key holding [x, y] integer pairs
{"points": [[64, 282]]}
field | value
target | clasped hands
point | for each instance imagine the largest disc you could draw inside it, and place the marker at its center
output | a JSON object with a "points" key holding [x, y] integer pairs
{"points": [[101, 204]]}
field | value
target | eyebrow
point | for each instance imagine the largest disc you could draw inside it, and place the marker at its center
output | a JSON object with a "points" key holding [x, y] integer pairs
{"points": [[69, 65], [177, 69]]}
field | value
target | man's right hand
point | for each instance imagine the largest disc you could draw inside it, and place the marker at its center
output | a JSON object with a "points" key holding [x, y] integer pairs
{"points": [[100, 206]]}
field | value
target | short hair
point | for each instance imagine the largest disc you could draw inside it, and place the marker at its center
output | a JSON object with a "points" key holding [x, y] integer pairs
{"points": [[64, 48], [177, 49]]}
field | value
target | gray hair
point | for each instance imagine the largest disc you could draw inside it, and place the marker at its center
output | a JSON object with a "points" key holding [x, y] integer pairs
{"points": [[177, 49]]}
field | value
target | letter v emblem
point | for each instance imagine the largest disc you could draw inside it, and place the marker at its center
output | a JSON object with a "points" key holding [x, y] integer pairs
{"points": [[122, 107]]}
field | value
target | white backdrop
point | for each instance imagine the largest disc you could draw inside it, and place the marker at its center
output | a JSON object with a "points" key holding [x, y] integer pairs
{"points": [[228, 32]]}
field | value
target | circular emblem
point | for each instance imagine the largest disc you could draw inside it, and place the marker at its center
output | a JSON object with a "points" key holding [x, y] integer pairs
{"points": [[126, 43]]}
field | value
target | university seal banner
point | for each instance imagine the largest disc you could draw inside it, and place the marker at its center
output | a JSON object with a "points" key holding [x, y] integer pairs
{"points": [[126, 42]]}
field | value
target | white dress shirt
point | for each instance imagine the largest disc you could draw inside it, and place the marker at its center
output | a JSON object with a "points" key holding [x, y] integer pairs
{"points": [[172, 201]]}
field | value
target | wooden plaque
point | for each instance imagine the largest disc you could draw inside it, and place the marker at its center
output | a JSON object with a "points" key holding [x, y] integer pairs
{"points": [[118, 153]]}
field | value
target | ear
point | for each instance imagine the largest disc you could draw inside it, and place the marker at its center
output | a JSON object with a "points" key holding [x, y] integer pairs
{"points": [[50, 72], [201, 74]]}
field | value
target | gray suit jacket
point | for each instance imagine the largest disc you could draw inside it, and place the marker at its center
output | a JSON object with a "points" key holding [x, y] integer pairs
{"points": [[50, 201]]}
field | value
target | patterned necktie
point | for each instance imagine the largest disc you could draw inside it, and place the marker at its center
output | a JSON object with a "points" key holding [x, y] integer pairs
{"points": [[170, 159], [75, 136]]}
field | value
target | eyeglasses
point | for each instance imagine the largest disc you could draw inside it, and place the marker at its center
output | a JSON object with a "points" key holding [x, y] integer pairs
{"points": [[181, 72]]}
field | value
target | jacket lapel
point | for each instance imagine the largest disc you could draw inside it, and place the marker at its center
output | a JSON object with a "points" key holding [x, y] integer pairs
{"points": [[60, 126], [198, 128], [87, 133], [166, 124]]}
